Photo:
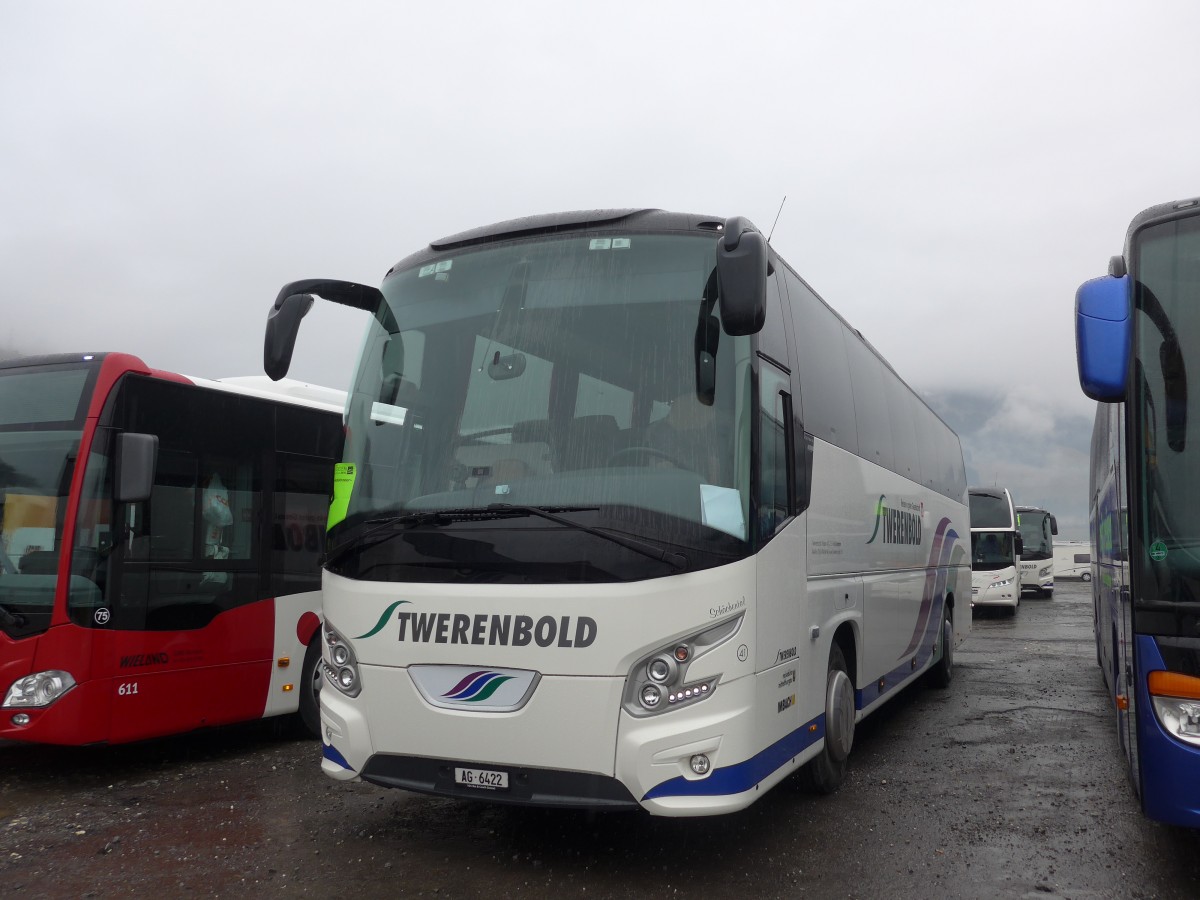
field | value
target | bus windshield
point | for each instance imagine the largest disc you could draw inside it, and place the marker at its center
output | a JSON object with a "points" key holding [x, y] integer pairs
{"points": [[1036, 535], [41, 418], [991, 550], [586, 377], [1167, 409]]}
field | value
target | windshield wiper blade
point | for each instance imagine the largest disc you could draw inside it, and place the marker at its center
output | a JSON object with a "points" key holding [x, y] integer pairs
{"points": [[383, 528], [14, 620], [503, 511], [676, 560]]}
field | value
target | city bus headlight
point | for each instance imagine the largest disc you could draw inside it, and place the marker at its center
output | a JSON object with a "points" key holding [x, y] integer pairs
{"points": [[38, 689], [659, 682], [1046, 572], [1176, 700], [996, 584], [1181, 718], [341, 666]]}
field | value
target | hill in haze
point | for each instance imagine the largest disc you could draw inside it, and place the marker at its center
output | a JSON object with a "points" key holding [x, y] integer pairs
{"points": [[1038, 452]]}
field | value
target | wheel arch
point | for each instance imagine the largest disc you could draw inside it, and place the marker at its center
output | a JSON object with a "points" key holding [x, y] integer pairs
{"points": [[846, 637]]}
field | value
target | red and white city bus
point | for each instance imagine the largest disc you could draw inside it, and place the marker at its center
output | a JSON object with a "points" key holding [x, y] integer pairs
{"points": [[160, 539]]}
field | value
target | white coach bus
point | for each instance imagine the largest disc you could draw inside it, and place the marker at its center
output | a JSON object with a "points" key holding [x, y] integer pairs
{"points": [[628, 517], [995, 550], [1038, 529]]}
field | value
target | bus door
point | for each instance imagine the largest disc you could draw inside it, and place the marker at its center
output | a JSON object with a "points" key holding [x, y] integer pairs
{"points": [[196, 644]]}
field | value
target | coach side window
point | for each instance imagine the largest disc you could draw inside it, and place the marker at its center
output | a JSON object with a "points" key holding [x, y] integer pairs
{"points": [[824, 372], [871, 415], [775, 452]]}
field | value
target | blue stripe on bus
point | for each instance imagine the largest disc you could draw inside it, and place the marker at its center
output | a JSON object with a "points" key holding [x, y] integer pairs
{"points": [[330, 752], [895, 678], [744, 775]]}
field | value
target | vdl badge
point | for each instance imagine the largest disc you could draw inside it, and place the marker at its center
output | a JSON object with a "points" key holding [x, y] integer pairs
{"points": [[487, 779]]}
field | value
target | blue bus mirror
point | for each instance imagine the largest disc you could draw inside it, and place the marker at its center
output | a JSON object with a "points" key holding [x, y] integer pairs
{"points": [[1104, 337]]}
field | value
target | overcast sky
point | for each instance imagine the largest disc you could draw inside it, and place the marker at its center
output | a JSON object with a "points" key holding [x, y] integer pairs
{"points": [[953, 170]]}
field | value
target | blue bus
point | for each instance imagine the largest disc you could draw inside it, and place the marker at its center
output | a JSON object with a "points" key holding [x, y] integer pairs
{"points": [[1138, 339]]}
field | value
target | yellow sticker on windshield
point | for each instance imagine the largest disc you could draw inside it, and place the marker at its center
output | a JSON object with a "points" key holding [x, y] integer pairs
{"points": [[343, 485]]}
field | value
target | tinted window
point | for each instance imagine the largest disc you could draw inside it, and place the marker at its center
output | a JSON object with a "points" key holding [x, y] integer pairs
{"points": [[990, 511], [194, 548], [772, 340], [823, 369], [870, 402], [903, 413], [301, 507], [774, 461]]}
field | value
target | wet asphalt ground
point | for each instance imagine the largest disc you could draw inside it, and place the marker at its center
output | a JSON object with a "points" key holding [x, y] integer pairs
{"points": [[1008, 784]]}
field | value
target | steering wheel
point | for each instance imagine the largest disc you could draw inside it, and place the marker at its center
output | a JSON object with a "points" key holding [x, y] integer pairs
{"points": [[642, 452]]}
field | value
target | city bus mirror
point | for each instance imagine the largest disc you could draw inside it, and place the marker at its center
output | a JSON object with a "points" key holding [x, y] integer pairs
{"points": [[283, 324], [742, 277], [1103, 337], [136, 459], [1053, 525], [1020, 543]]}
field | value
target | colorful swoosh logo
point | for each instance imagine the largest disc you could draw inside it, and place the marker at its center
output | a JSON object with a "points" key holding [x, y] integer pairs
{"points": [[387, 614], [476, 687], [878, 517]]}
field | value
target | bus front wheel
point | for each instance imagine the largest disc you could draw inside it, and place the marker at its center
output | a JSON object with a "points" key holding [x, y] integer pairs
{"points": [[827, 770], [310, 688], [943, 670]]}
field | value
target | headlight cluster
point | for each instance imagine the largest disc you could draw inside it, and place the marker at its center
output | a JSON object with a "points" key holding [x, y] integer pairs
{"points": [[1176, 701], [39, 689], [1046, 572], [339, 664], [996, 584], [659, 682]]}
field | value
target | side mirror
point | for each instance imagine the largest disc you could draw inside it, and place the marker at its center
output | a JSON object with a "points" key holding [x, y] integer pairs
{"points": [[1053, 525], [294, 302], [136, 460], [742, 277], [1020, 543], [1104, 337], [283, 324]]}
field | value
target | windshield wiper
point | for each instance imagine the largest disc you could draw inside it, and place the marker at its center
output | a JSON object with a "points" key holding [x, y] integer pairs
{"points": [[13, 620], [676, 560], [502, 511]]}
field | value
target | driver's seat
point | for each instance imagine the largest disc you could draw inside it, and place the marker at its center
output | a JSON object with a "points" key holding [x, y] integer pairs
{"points": [[586, 442]]}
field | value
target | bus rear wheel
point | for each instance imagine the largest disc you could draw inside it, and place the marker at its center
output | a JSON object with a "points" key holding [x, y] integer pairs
{"points": [[825, 773], [310, 688]]}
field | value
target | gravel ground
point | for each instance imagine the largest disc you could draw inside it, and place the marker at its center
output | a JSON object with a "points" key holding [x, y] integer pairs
{"points": [[1009, 784]]}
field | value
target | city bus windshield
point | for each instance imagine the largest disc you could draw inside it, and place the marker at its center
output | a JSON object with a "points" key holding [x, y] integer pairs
{"points": [[555, 375], [41, 415], [1166, 405]]}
